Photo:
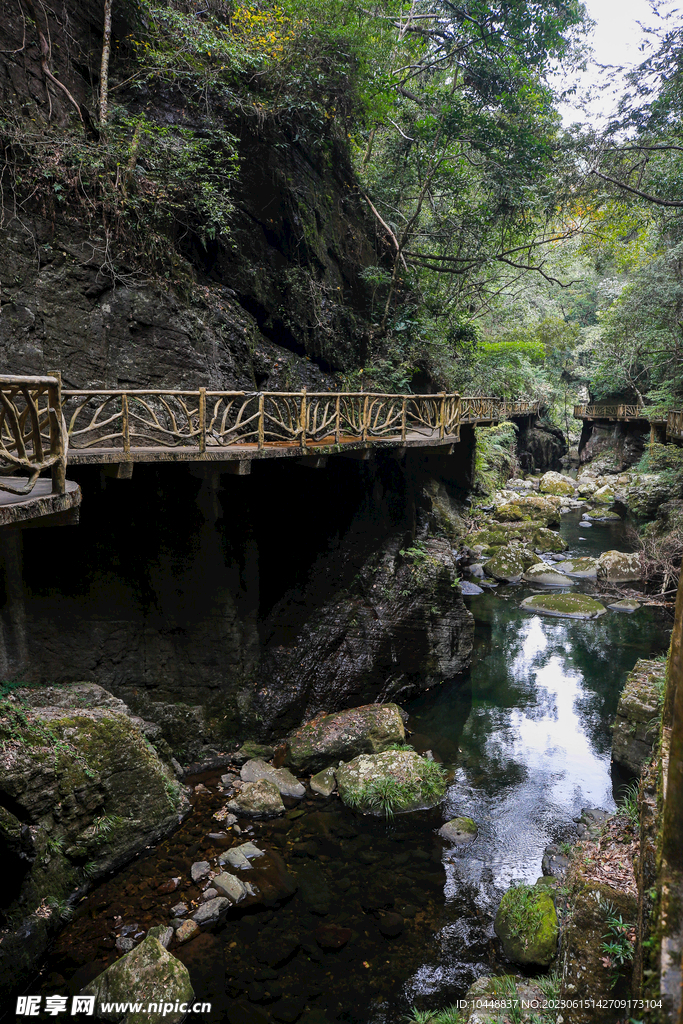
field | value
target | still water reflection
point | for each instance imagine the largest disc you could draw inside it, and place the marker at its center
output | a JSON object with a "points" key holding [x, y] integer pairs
{"points": [[529, 734]]}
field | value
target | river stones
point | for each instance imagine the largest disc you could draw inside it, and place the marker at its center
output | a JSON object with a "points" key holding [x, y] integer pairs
{"points": [[581, 568], [211, 912], [163, 933], [601, 516], [526, 924], [199, 870], [330, 738], [324, 783], [239, 856], [628, 605], [603, 496], [548, 575], [543, 510], [396, 780], [619, 567], [148, 974], [186, 931], [229, 886], [257, 800], [509, 563], [332, 936], [250, 750], [468, 589], [530, 535], [287, 784], [556, 483], [568, 606], [459, 831]]}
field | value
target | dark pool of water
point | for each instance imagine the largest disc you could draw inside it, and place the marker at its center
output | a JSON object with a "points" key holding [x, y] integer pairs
{"points": [[526, 735]]}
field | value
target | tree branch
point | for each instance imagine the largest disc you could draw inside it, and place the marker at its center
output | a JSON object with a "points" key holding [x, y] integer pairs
{"points": [[637, 192]]}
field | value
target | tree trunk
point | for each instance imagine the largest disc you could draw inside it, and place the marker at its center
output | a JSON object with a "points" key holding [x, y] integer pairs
{"points": [[104, 66]]}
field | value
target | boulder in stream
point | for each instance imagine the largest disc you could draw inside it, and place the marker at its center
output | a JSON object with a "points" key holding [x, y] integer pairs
{"points": [[148, 974], [286, 783], [332, 738], [628, 605], [324, 783], [396, 780], [526, 924], [547, 575], [568, 606], [556, 483], [509, 563], [581, 568], [619, 567], [459, 831], [257, 800]]}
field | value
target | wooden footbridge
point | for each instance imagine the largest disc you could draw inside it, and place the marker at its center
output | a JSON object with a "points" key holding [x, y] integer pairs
{"points": [[666, 424], [44, 427]]}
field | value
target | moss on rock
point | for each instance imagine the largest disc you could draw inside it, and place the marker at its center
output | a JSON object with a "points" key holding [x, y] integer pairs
{"points": [[526, 924], [333, 738], [570, 606], [148, 974], [556, 483], [396, 780]]}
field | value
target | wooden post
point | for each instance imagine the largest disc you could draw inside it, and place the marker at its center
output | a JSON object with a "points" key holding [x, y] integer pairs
{"points": [[404, 405], [303, 418], [442, 415], [261, 426], [58, 443], [202, 419], [337, 429], [457, 416], [125, 422], [364, 434]]}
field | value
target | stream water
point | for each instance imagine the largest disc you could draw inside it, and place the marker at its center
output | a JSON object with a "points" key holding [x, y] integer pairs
{"points": [[526, 733]]}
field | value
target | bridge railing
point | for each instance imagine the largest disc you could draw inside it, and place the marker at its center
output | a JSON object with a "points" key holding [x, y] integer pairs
{"points": [[520, 408], [33, 435], [474, 408], [621, 411], [203, 419]]}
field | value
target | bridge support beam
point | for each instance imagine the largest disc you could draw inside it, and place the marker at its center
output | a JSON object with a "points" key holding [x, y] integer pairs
{"points": [[358, 454], [313, 461], [241, 467], [118, 470]]}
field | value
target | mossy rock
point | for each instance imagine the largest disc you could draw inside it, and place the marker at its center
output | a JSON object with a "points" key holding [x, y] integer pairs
{"points": [[526, 924], [459, 831], [603, 496], [568, 606], [602, 516], [332, 738], [148, 974], [532, 508], [507, 565], [581, 568], [557, 484], [396, 780], [529, 534], [620, 567], [547, 575]]}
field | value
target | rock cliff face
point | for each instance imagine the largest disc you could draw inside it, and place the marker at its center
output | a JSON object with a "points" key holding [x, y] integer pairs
{"points": [[275, 302], [540, 446], [221, 606]]}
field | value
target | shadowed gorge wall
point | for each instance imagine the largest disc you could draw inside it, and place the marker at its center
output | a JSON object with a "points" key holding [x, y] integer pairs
{"points": [[195, 595]]}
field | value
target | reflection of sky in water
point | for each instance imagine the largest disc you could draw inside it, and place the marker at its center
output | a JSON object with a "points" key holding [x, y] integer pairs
{"points": [[528, 735]]}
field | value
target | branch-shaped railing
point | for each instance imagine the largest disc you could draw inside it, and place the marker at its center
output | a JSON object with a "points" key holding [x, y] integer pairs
{"points": [[39, 421], [33, 436], [206, 419], [615, 411]]}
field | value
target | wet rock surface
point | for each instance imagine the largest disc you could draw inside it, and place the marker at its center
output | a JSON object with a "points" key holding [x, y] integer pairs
{"points": [[526, 924], [397, 780], [149, 974], [257, 800], [570, 606], [338, 737]]}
